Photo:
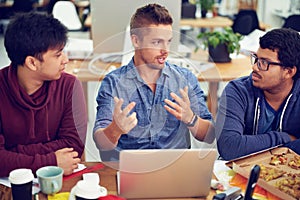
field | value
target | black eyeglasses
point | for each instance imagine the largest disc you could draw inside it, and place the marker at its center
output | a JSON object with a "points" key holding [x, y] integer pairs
{"points": [[262, 64]]}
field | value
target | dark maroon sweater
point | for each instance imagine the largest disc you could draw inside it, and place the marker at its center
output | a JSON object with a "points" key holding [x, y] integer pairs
{"points": [[33, 127]]}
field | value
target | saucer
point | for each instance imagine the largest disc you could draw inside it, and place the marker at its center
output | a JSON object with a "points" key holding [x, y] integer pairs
{"points": [[73, 191]]}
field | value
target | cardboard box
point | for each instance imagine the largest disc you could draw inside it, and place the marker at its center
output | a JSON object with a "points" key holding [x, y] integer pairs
{"points": [[244, 165]]}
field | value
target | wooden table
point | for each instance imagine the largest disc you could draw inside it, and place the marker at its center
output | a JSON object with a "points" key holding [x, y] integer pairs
{"points": [[213, 22], [220, 72], [108, 179]]}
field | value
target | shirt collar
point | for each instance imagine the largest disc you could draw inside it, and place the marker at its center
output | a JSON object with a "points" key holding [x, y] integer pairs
{"points": [[133, 73]]}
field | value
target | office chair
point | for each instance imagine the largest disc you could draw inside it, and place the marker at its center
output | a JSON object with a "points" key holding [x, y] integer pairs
{"points": [[292, 22], [188, 11], [245, 22], [65, 12]]}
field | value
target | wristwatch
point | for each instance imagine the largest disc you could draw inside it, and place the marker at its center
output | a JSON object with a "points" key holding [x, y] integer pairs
{"points": [[193, 121]]}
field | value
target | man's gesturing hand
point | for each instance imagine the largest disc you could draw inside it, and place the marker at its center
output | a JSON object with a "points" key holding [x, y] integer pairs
{"points": [[121, 118], [181, 109]]}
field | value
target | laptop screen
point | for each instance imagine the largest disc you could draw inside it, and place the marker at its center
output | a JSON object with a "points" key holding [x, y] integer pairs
{"points": [[166, 173]]}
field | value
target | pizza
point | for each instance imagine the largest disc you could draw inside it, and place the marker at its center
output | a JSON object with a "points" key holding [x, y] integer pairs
{"points": [[290, 185], [294, 162], [270, 173], [279, 159], [281, 170]]}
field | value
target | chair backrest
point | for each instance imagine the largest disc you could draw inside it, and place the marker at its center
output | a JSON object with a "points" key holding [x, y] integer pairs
{"points": [[22, 5], [188, 10], [292, 22], [65, 12], [245, 22]]}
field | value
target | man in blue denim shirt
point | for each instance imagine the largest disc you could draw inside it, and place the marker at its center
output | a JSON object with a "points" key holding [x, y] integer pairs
{"points": [[150, 103]]}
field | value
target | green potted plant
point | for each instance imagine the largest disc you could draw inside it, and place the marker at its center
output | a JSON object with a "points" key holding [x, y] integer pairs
{"points": [[205, 6], [220, 44]]}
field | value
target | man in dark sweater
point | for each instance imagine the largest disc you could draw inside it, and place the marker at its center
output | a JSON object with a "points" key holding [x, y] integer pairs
{"points": [[262, 110], [43, 118]]}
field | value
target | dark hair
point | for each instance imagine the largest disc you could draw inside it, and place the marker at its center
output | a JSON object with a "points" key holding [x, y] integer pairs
{"points": [[149, 14], [286, 42], [32, 34]]}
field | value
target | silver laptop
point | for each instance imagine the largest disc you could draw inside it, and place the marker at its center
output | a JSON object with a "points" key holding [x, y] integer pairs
{"points": [[167, 173]]}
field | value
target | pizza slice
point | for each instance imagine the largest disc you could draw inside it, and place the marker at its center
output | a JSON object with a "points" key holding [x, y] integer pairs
{"points": [[270, 173], [290, 185], [278, 159], [295, 162]]}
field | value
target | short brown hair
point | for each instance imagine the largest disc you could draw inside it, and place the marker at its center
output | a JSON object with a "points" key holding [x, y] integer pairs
{"points": [[149, 14]]}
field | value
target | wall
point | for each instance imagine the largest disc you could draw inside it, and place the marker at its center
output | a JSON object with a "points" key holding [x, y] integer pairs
{"points": [[265, 11]]}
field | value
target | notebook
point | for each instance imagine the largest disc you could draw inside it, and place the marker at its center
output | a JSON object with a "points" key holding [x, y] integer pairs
{"points": [[165, 173]]}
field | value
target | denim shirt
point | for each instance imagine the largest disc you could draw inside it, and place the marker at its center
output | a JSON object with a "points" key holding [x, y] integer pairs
{"points": [[156, 128]]}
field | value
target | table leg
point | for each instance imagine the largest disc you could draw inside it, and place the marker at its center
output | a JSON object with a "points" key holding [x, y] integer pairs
{"points": [[212, 98]]}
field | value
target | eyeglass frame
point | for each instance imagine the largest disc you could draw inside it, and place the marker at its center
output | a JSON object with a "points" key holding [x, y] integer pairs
{"points": [[257, 61]]}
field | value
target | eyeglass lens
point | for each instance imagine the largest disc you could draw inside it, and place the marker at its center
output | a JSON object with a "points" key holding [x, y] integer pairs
{"points": [[261, 64]]}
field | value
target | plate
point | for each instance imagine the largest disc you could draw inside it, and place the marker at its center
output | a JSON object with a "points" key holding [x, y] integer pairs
{"points": [[73, 191]]}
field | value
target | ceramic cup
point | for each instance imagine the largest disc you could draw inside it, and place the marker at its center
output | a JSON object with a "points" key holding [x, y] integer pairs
{"points": [[50, 179], [88, 190], [91, 177], [21, 183]]}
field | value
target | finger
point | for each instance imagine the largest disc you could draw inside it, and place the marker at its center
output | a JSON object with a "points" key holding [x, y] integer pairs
{"points": [[128, 108], [76, 160], [133, 124], [176, 98], [186, 89], [116, 100], [74, 154], [132, 119], [173, 105], [130, 123], [173, 112], [118, 104], [65, 150], [184, 94], [74, 166]]}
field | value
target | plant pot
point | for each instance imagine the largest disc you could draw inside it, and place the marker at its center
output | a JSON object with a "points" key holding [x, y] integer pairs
{"points": [[219, 54], [203, 13]]}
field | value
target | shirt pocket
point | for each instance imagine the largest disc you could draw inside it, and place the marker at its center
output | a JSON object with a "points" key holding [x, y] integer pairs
{"points": [[142, 114]]}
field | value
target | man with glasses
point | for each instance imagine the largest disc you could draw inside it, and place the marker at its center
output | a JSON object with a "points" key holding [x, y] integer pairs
{"points": [[262, 110]]}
